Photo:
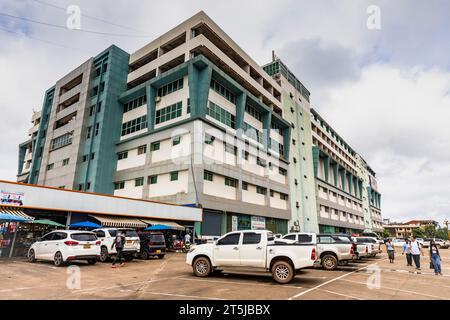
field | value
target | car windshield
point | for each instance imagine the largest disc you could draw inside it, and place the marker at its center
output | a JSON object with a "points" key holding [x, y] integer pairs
{"points": [[84, 236], [129, 233]]}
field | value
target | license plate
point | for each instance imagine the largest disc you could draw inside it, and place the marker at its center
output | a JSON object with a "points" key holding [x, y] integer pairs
{"points": [[129, 241], [87, 246], [158, 251]]}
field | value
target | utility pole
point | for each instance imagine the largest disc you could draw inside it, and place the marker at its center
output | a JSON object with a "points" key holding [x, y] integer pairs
{"points": [[446, 224]]}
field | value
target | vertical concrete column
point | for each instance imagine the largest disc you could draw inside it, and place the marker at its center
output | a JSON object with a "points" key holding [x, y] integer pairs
{"points": [[334, 167], [326, 166], [287, 132], [224, 222], [267, 123], [240, 110], [151, 106]]}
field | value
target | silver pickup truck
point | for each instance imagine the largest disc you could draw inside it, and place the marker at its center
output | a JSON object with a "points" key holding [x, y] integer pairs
{"points": [[332, 250]]}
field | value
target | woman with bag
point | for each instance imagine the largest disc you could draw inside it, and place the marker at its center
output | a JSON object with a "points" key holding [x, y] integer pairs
{"points": [[435, 258]]}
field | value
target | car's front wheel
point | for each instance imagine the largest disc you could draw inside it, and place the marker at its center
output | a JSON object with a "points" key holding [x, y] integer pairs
{"points": [[129, 258], [329, 262], [58, 259], [92, 261], [104, 254], [201, 267], [31, 256], [282, 272], [160, 256], [145, 255]]}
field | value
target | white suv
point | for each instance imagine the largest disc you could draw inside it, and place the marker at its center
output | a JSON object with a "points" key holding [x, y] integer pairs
{"points": [[107, 236], [66, 245]]}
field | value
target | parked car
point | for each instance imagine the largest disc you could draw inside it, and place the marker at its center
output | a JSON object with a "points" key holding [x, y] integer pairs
{"points": [[107, 236], [398, 242], [252, 250], [152, 244], [420, 241], [65, 245], [361, 250], [373, 245], [332, 249], [439, 243]]}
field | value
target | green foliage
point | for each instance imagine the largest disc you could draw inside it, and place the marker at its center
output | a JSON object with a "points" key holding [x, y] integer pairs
{"points": [[442, 233], [429, 231], [385, 234]]}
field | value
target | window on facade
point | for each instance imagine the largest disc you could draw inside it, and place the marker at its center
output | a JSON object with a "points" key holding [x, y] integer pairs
{"points": [[208, 176], [88, 186], [244, 186], [277, 128], [282, 171], [139, 182], [119, 185], [253, 112], [174, 176], [92, 155], [80, 187], [261, 190], [136, 103], [155, 146], [209, 139], [168, 113], [245, 154], [230, 148], [122, 155], [176, 141], [91, 110], [224, 92], [188, 106], [85, 158], [261, 162], [65, 162], [272, 193], [152, 179], [97, 128], [50, 166], [283, 196], [134, 125], [170, 87], [230, 182], [220, 114], [61, 141], [88, 132], [99, 107], [253, 133], [142, 149]]}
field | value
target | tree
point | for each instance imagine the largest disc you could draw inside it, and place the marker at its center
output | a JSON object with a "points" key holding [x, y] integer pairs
{"points": [[430, 231], [418, 233], [442, 233], [385, 233]]}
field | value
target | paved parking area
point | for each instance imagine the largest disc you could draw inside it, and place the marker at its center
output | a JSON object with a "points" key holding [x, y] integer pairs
{"points": [[171, 278]]}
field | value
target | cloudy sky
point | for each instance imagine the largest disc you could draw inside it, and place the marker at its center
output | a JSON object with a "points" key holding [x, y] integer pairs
{"points": [[386, 91]]}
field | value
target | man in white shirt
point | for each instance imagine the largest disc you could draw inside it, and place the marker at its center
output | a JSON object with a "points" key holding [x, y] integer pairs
{"points": [[416, 251], [187, 238]]}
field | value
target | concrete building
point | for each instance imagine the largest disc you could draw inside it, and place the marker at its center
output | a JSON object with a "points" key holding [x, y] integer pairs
{"points": [[190, 119]]}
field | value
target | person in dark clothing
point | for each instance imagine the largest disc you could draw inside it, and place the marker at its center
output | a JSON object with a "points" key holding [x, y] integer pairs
{"points": [[435, 258], [119, 243]]}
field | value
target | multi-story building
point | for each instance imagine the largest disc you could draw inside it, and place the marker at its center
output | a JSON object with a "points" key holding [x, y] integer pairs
{"points": [[190, 119]]}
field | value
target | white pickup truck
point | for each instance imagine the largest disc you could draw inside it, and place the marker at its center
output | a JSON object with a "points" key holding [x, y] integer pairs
{"points": [[252, 250]]}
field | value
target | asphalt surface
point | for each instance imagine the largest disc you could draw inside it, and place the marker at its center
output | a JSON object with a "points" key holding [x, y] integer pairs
{"points": [[171, 278]]}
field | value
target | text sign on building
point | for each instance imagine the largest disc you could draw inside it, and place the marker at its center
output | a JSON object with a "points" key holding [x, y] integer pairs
{"points": [[373, 183], [258, 223], [234, 223], [11, 198]]}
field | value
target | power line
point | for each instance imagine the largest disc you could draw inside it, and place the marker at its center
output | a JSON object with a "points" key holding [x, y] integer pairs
{"points": [[89, 16], [65, 28]]}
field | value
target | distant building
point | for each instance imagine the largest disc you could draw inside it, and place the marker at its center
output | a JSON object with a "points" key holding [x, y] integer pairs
{"points": [[400, 230], [423, 222]]}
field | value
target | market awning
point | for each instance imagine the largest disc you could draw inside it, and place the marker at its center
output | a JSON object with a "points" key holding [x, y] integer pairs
{"points": [[171, 224], [119, 222], [13, 213]]}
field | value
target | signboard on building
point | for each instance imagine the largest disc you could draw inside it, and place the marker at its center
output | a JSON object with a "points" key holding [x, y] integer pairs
{"points": [[258, 223], [11, 198], [234, 223], [373, 183]]}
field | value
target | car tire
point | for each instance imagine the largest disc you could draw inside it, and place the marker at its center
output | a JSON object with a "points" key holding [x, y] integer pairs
{"points": [[329, 262], [31, 256], [201, 267], [128, 258], [145, 255], [282, 272], [92, 261], [58, 259], [104, 256], [160, 256]]}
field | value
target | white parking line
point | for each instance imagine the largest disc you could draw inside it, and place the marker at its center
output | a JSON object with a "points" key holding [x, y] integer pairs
{"points": [[237, 282], [341, 294], [330, 281], [175, 295], [397, 289]]}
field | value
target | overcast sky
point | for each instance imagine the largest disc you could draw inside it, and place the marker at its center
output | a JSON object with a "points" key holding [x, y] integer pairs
{"points": [[386, 91]]}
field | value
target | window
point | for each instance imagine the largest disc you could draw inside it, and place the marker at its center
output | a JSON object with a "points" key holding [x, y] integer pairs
{"points": [[65, 162], [100, 233], [61, 141], [142, 149], [50, 166], [220, 114], [88, 186], [224, 92], [170, 87], [230, 148], [152, 179], [174, 176], [88, 132], [229, 240], [119, 185], [261, 162], [209, 139], [277, 128], [261, 190], [253, 133], [97, 128], [188, 106], [92, 155], [282, 171], [305, 238], [208, 176], [99, 107], [134, 125], [176, 141], [272, 193], [245, 154], [253, 112], [136, 103], [290, 237], [91, 110], [155, 146], [244, 186], [139, 182], [326, 239], [80, 187], [122, 155], [85, 158], [283, 196], [168, 113], [230, 182], [251, 238]]}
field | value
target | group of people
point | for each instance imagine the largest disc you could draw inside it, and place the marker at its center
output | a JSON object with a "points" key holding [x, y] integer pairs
{"points": [[413, 250]]}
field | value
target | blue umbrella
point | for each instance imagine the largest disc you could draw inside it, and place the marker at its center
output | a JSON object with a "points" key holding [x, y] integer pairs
{"points": [[158, 227], [85, 224], [10, 217]]}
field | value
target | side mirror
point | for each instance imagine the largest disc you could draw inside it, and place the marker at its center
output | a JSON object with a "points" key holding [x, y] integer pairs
{"points": [[39, 239]]}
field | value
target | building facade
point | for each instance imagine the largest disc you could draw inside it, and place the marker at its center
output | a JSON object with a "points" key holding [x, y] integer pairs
{"points": [[190, 119]]}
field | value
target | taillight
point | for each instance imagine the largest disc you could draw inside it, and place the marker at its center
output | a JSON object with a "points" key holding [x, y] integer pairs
{"points": [[367, 249], [352, 250], [71, 243], [98, 243], [313, 254]]}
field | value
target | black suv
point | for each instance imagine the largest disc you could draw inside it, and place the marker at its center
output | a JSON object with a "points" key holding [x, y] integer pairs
{"points": [[152, 244]]}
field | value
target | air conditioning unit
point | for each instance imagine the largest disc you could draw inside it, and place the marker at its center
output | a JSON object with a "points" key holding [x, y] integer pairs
{"points": [[158, 99]]}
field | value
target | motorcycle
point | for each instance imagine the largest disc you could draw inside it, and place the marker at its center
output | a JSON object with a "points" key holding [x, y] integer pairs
{"points": [[186, 246]]}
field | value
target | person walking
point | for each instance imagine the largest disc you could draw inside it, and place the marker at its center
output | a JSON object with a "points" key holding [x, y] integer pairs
{"points": [[119, 243], [435, 258], [416, 251], [407, 252], [390, 251]]}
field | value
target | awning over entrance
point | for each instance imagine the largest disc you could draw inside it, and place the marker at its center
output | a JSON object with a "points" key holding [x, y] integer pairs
{"points": [[14, 212], [171, 224], [119, 222]]}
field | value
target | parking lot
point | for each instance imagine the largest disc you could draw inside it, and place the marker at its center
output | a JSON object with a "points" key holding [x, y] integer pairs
{"points": [[171, 278]]}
